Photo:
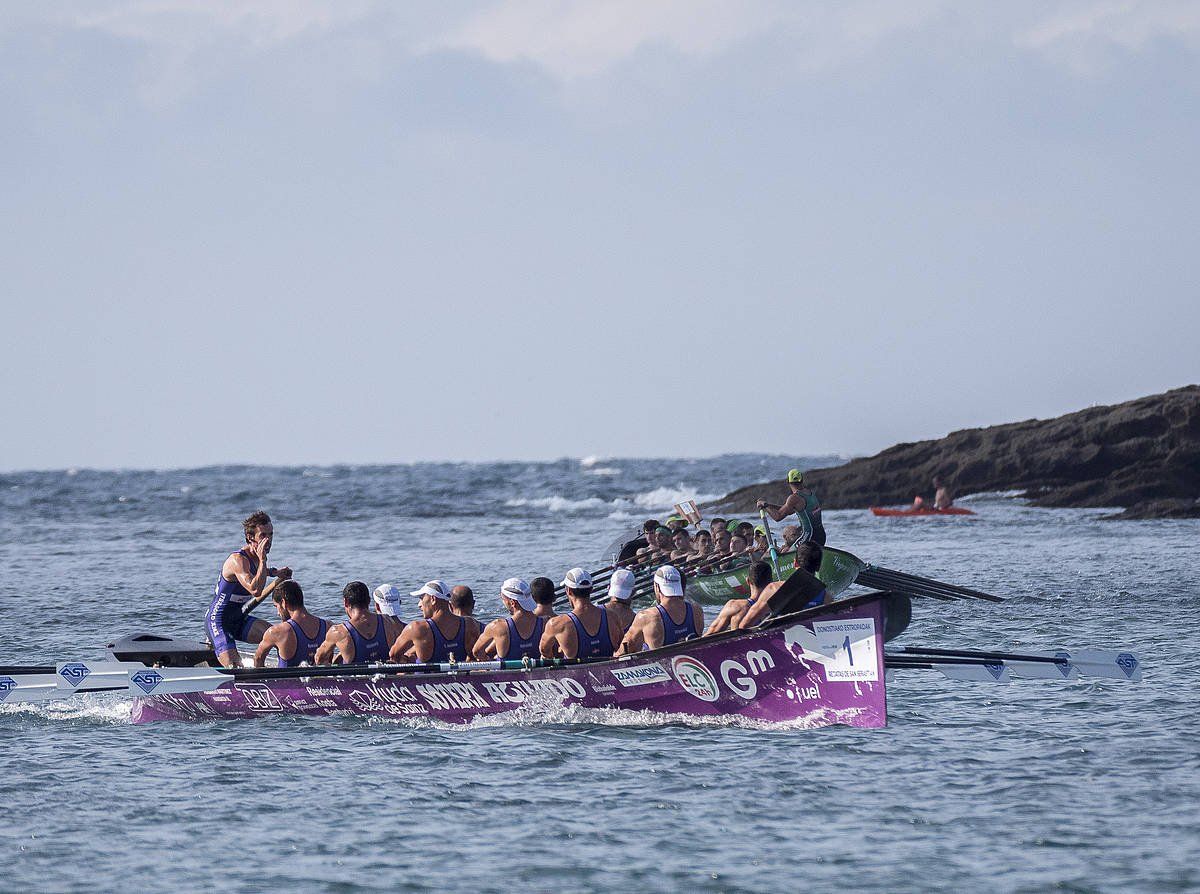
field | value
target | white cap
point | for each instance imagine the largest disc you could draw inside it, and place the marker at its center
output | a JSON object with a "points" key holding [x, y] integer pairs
{"points": [[388, 599], [577, 579], [668, 580], [438, 589], [620, 585], [518, 591]]}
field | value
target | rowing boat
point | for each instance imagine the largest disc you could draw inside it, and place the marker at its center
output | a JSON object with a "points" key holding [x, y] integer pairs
{"points": [[839, 569], [815, 668], [909, 513]]}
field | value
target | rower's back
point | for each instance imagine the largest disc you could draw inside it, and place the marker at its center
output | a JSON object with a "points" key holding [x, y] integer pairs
{"points": [[368, 631]]}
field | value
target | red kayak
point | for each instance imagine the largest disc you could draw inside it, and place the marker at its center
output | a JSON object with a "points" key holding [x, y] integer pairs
{"points": [[952, 510]]}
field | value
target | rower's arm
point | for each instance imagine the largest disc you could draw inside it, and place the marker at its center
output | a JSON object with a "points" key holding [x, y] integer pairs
{"points": [[269, 642], [756, 614], [487, 646], [634, 638], [551, 644], [333, 640], [239, 566], [698, 618]]}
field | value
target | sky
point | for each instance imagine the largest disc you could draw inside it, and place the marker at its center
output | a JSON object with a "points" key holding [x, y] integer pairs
{"points": [[297, 232]]}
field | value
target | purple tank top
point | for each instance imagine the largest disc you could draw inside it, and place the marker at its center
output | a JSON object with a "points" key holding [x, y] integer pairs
{"points": [[233, 590], [522, 647], [306, 649], [442, 647], [676, 633], [593, 645], [368, 650]]}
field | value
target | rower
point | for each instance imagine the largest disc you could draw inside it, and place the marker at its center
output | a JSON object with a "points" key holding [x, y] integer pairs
{"points": [[717, 524], [620, 595], [676, 523], [586, 631], [515, 637], [804, 503], [649, 527], [942, 497], [673, 620], [388, 599], [809, 594], [243, 578], [364, 637], [462, 603], [760, 581], [789, 534], [682, 541], [439, 635], [542, 589], [298, 635]]}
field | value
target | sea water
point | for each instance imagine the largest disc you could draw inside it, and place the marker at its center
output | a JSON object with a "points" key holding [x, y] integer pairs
{"points": [[1085, 785]]}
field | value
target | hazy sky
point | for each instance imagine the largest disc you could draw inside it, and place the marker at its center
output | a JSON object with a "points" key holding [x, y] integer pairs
{"points": [[305, 232]]}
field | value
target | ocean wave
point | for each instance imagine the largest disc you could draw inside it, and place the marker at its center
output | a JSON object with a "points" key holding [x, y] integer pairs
{"points": [[604, 470], [588, 461], [655, 500]]}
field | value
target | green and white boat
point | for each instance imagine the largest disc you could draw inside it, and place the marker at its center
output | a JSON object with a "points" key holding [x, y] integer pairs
{"points": [[839, 569]]}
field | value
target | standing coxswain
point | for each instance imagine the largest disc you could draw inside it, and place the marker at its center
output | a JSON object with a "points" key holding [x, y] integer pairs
{"points": [[243, 579], [299, 633], [804, 503], [515, 637]]}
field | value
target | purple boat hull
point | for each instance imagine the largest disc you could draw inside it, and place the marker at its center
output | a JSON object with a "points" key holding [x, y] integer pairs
{"points": [[817, 668]]}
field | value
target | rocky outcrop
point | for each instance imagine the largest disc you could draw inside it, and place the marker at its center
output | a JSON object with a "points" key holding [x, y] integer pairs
{"points": [[1142, 456]]}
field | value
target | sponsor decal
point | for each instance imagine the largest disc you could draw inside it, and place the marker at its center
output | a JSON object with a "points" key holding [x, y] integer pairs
{"points": [[448, 696], [7, 685], [743, 685], [696, 679], [259, 697], [146, 680], [514, 692], [996, 669], [1064, 666], [641, 675], [74, 673], [847, 648], [1127, 663]]}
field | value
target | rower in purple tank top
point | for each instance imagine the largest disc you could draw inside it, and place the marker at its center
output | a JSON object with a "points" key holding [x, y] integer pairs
{"points": [[296, 638], [364, 637], [517, 636], [243, 579], [586, 631], [673, 620], [439, 635]]}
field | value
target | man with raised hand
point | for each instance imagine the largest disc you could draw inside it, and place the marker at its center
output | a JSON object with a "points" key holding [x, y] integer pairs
{"points": [[515, 637], [438, 635], [298, 635], [542, 589], [804, 590], [672, 620], [364, 637], [586, 631], [804, 503], [243, 578], [620, 595]]}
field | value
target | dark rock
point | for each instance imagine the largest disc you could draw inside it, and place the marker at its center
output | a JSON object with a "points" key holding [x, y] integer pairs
{"points": [[1143, 456]]}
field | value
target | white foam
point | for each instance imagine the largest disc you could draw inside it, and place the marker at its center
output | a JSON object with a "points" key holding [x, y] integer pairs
{"points": [[589, 461], [97, 708], [666, 497], [604, 470], [558, 503]]}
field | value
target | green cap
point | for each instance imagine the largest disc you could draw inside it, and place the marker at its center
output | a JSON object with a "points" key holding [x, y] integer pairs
{"points": [[760, 529], [678, 518], [731, 525], [795, 476], [663, 530]]}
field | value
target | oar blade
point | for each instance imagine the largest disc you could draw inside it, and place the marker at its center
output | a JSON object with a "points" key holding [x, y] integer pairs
{"points": [[1124, 666], [93, 676], [173, 680], [20, 688], [983, 672]]}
